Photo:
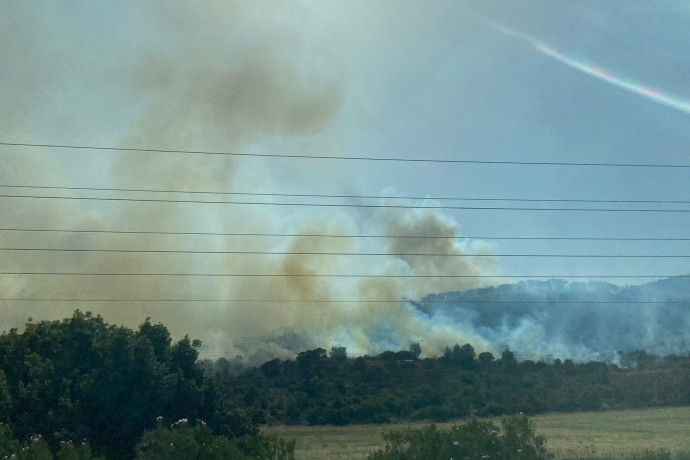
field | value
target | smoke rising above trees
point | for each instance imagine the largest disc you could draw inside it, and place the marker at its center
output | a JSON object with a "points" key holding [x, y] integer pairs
{"points": [[250, 77], [263, 77]]}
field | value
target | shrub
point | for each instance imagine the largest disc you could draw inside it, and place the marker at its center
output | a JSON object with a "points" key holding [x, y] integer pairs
{"points": [[8, 444], [184, 442], [435, 413], [37, 448], [516, 440]]}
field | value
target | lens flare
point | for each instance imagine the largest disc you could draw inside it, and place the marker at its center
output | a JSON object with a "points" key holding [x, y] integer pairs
{"points": [[627, 84]]}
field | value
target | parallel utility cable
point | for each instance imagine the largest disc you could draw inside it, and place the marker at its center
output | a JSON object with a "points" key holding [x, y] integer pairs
{"points": [[319, 195], [341, 157], [329, 253], [344, 205], [421, 377], [316, 275], [324, 235], [300, 378], [425, 302], [416, 378]]}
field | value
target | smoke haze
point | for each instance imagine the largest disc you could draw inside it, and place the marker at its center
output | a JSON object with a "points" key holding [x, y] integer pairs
{"points": [[240, 90], [557, 318], [269, 77]]}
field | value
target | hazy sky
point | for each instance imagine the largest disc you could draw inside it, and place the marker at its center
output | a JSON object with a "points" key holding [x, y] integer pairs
{"points": [[383, 79]]}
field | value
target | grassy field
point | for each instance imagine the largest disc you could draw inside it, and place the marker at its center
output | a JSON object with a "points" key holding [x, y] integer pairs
{"points": [[589, 434]]}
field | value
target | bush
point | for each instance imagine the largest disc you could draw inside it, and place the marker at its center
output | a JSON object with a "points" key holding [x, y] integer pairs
{"points": [[8, 444], [516, 440], [184, 442], [435, 413], [37, 448]]}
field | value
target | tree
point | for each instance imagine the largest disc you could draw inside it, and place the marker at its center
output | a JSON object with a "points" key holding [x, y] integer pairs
{"points": [[415, 349], [5, 399], [310, 357], [82, 378], [447, 353], [485, 359], [338, 353], [464, 356], [508, 361]]}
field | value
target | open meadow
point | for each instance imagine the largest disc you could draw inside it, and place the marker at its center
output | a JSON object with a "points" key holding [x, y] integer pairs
{"points": [[569, 435]]}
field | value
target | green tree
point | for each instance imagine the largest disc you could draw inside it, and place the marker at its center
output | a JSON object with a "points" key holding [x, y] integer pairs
{"points": [[338, 353], [82, 378], [465, 356], [485, 359], [415, 349], [5, 399]]}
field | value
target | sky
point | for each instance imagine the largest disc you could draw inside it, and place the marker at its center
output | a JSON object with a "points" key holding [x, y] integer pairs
{"points": [[532, 81]]}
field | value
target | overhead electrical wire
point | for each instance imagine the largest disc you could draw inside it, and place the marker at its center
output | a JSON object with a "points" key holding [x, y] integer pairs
{"points": [[344, 205], [326, 301], [324, 235], [294, 376], [328, 275], [331, 253], [208, 354], [319, 195], [342, 157]]}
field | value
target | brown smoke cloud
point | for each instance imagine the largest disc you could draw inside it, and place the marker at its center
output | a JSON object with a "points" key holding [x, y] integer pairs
{"points": [[429, 222], [233, 77]]}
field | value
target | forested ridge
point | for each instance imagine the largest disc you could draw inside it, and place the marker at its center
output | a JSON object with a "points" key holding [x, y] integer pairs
{"points": [[321, 387], [82, 388]]}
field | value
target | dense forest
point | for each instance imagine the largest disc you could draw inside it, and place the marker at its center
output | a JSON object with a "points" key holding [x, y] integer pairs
{"points": [[321, 387], [81, 388]]}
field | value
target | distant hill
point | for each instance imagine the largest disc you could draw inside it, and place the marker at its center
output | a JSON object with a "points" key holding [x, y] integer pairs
{"points": [[569, 319]]}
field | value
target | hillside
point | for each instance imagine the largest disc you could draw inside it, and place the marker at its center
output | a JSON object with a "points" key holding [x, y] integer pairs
{"points": [[579, 320]]}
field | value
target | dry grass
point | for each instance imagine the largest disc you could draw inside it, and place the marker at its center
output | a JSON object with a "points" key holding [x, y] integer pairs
{"points": [[585, 434], [616, 432]]}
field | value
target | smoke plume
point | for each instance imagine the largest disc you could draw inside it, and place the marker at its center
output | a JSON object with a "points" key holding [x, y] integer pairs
{"points": [[576, 320], [252, 77], [229, 77]]}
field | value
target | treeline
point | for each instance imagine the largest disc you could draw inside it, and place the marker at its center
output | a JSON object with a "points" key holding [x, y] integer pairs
{"points": [[81, 387], [319, 387]]}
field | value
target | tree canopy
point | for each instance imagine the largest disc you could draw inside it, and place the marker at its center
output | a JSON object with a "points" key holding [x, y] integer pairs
{"points": [[81, 378]]}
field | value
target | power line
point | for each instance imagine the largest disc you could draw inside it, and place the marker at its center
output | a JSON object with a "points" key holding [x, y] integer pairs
{"points": [[319, 195], [344, 205], [328, 253], [348, 158], [344, 275], [326, 301], [421, 376], [323, 235]]}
